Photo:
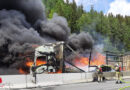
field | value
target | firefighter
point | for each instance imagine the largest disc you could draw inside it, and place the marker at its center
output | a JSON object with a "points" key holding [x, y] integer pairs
{"points": [[100, 74], [118, 73]]}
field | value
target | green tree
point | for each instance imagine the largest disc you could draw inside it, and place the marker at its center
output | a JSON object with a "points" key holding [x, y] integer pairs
{"points": [[116, 28]]}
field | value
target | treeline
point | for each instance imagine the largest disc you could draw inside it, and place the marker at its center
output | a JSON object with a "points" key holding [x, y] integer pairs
{"points": [[113, 31]]}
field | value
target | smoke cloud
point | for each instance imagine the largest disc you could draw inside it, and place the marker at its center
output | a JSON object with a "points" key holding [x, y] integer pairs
{"points": [[56, 28], [23, 24], [32, 9], [81, 41]]}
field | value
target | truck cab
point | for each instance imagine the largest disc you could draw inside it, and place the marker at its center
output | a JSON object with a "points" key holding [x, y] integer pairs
{"points": [[51, 57]]}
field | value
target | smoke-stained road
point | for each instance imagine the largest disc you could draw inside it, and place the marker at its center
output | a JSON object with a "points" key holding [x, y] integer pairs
{"points": [[108, 85]]}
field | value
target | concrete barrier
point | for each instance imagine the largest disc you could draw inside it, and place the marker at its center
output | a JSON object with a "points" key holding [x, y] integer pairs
{"points": [[89, 76], [111, 75], [25, 81], [49, 79], [13, 81], [71, 77], [126, 73]]}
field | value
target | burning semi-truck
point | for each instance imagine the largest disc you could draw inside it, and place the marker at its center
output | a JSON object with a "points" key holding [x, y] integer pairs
{"points": [[52, 55], [53, 58]]}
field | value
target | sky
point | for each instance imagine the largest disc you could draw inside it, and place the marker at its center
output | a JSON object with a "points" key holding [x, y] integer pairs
{"points": [[107, 6]]}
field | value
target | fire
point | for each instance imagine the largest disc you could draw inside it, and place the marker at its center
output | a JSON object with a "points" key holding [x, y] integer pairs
{"points": [[39, 62], [60, 71], [29, 64], [98, 59], [84, 61], [22, 71]]}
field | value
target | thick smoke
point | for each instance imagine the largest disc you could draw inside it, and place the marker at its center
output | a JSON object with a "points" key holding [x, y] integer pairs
{"points": [[32, 9], [15, 37], [23, 24], [18, 29], [13, 28], [56, 28], [81, 41]]}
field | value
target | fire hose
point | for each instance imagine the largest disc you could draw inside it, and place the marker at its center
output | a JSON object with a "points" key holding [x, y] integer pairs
{"points": [[124, 80], [123, 88]]}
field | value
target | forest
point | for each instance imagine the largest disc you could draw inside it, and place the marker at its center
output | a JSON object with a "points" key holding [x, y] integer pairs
{"points": [[113, 32]]}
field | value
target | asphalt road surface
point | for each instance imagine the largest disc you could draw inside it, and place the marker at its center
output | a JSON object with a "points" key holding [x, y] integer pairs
{"points": [[108, 85]]}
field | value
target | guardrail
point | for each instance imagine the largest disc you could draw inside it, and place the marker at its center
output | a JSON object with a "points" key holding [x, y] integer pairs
{"points": [[25, 81]]}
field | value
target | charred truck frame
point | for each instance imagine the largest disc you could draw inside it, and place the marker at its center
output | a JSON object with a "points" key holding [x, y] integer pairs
{"points": [[54, 57], [52, 54]]}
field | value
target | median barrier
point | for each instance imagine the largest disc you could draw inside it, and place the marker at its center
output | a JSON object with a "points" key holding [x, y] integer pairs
{"points": [[49, 79], [126, 74], [89, 76], [68, 77], [25, 81], [111, 75], [13, 81]]}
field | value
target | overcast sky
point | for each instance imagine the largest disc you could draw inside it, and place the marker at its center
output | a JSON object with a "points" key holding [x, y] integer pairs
{"points": [[115, 6]]}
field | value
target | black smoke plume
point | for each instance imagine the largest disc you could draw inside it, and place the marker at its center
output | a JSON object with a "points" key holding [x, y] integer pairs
{"points": [[23, 24], [32, 9], [81, 41]]}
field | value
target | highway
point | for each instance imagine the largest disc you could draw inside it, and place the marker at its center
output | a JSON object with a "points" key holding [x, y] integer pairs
{"points": [[108, 85]]}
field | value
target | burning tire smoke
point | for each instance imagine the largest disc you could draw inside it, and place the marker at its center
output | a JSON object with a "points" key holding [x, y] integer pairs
{"points": [[23, 24], [81, 41], [32, 9]]}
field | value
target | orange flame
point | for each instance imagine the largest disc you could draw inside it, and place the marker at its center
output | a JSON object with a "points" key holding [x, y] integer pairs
{"points": [[22, 71], [29, 64], [60, 71], [38, 62], [98, 59]]}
